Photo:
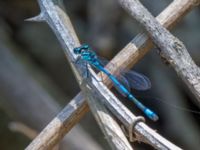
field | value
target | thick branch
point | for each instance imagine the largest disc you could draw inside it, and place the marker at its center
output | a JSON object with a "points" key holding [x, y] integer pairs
{"points": [[54, 16], [171, 48], [30, 103], [112, 131], [144, 133]]}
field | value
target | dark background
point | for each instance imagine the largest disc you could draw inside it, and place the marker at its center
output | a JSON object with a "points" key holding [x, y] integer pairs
{"points": [[107, 28]]}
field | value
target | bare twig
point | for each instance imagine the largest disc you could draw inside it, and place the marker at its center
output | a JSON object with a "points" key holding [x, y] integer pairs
{"points": [[114, 135], [141, 44], [31, 104], [22, 128], [143, 132], [171, 49], [27, 131]]}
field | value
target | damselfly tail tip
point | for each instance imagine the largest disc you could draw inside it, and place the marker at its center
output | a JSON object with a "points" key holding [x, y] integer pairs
{"points": [[150, 114], [155, 117]]}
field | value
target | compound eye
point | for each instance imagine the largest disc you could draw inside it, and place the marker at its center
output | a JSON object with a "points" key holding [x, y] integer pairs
{"points": [[77, 50]]}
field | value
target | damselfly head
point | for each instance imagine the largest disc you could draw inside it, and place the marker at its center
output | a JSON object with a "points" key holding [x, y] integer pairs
{"points": [[83, 47]]}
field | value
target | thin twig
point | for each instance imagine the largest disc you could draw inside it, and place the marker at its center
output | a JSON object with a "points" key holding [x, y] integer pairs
{"points": [[22, 128], [170, 48]]}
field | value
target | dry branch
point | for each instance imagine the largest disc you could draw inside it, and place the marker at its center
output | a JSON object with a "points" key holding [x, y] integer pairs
{"points": [[31, 104], [111, 129], [23, 129], [133, 51], [54, 16], [143, 132], [171, 48]]}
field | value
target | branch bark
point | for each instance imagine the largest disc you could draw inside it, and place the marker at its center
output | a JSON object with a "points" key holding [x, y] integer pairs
{"points": [[60, 23], [110, 128], [171, 48], [26, 100], [143, 132]]}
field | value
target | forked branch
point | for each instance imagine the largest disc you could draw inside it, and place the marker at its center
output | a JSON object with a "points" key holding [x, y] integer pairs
{"points": [[171, 48]]}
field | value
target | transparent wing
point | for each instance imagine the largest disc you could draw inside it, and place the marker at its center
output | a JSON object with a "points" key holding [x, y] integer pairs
{"points": [[131, 79], [120, 78], [137, 80], [82, 64], [124, 82]]}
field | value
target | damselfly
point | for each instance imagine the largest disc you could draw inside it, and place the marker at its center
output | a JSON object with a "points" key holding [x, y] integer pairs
{"points": [[86, 54]]}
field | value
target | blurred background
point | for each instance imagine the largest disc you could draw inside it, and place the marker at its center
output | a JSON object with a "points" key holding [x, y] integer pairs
{"points": [[36, 81]]}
